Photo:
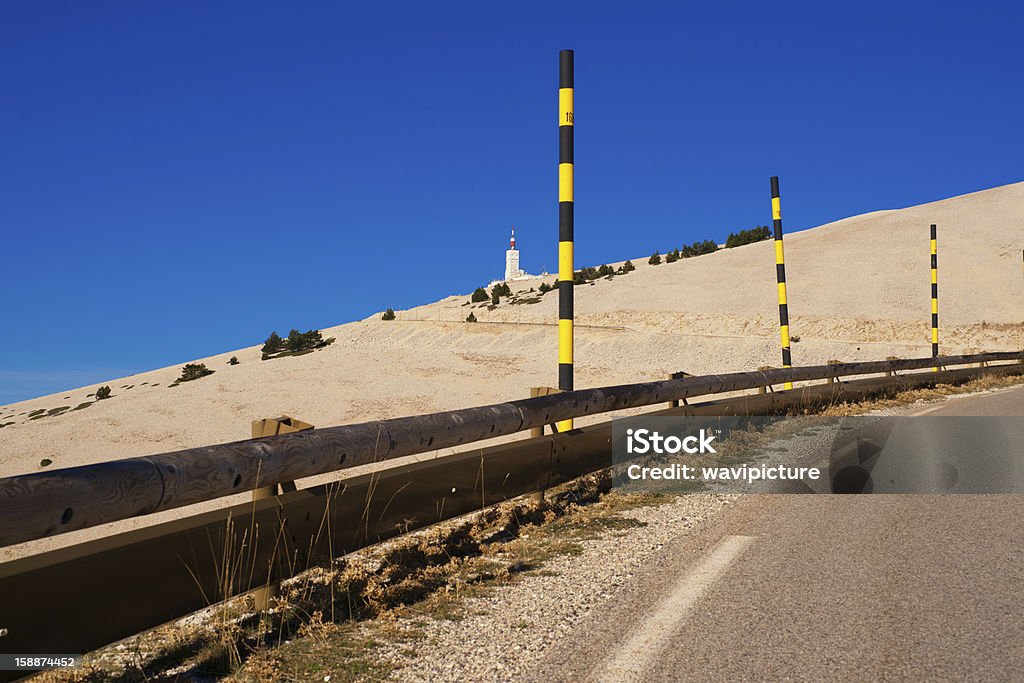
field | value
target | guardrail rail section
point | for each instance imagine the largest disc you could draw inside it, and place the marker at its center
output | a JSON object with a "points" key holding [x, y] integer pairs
{"points": [[154, 574]]}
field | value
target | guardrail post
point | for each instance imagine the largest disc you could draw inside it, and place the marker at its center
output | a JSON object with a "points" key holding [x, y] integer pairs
{"points": [[780, 275], [538, 497], [678, 375], [935, 298], [265, 596], [541, 391], [566, 238], [833, 361]]}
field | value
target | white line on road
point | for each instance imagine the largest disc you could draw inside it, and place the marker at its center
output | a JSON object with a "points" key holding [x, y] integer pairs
{"points": [[629, 663]]}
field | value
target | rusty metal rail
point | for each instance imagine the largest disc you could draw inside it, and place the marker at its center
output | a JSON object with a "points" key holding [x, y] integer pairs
{"points": [[43, 504], [152, 575]]}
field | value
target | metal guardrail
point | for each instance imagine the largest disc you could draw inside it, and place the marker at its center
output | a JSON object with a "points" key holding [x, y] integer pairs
{"points": [[151, 575], [47, 503]]}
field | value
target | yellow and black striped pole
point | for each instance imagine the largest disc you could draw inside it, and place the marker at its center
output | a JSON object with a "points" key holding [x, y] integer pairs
{"points": [[780, 275], [935, 299], [565, 225]]}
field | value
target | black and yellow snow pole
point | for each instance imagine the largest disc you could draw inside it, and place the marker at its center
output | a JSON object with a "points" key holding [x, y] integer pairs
{"points": [[565, 225], [780, 275], [935, 299]]}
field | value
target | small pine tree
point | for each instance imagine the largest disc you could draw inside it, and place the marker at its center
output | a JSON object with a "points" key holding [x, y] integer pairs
{"points": [[545, 288], [471, 318], [737, 239], [388, 315], [627, 267], [295, 341], [273, 344], [707, 247], [495, 298], [479, 294], [233, 360], [655, 259], [193, 371], [605, 270], [312, 339], [672, 257], [102, 393]]}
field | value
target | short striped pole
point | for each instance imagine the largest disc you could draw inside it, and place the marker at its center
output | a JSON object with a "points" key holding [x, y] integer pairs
{"points": [[780, 275], [935, 299], [565, 225]]}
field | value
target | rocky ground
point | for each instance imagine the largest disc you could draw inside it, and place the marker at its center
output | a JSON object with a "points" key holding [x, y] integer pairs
{"points": [[512, 627]]}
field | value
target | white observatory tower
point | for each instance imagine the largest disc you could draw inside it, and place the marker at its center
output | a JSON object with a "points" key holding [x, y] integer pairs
{"points": [[512, 259]]}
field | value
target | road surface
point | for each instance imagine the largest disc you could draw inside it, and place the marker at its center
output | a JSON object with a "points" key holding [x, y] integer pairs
{"points": [[815, 587]]}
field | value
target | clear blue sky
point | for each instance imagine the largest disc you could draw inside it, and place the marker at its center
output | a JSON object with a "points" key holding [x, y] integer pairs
{"points": [[181, 178]]}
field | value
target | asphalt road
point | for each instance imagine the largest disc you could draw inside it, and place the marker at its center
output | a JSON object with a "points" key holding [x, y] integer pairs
{"points": [[818, 587], [1005, 402]]}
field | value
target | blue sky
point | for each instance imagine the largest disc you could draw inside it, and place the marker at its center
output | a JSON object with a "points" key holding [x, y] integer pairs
{"points": [[179, 179]]}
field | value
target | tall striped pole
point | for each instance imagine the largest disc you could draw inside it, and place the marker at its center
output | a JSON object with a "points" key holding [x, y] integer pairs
{"points": [[565, 225], [935, 299], [780, 276]]}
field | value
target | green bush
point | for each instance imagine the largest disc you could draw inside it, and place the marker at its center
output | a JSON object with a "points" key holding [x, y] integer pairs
{"points": [[672, 256], [273, 344], [388, 315], [233, 360], [499, 290], [655, 259], [627, 267], [479, 294], [699, 248], [303, 341], [737, 239], [585, 275], [470, 318], [102, 393], [605, 270], [193, 371], [313, 338], [495, 297]]}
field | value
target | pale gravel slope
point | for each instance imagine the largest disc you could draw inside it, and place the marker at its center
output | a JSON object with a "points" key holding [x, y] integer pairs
{"points": [[858, 291]]}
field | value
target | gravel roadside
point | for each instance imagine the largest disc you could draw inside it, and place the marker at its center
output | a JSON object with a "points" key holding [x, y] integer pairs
{"points": [[512, 627]]}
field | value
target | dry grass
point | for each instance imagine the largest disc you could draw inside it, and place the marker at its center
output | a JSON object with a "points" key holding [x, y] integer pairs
{"points": [[937, 393], [329, 619]]}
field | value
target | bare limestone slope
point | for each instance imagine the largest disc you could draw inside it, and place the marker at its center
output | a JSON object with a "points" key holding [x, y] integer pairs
{"points": [[859, 290]]}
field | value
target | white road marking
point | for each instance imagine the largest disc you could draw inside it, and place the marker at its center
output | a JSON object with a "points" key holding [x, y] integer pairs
{"points": [[945, 403], [931, 409], [630, 661]]}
